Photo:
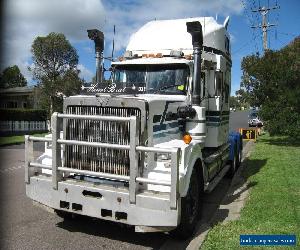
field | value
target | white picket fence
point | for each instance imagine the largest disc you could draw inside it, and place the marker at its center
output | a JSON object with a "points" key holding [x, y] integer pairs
{"points": [[18, 126]]}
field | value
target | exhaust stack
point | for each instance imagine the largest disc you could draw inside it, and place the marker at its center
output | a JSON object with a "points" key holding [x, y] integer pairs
{"points": [[195, 29], [98, 37], [196, 125]]}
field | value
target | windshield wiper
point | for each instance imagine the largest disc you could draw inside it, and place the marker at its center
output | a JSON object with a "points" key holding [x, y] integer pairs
{"points": [[166, 87]]}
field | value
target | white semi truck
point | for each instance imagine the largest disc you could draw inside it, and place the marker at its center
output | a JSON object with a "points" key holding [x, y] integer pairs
{"points": [[142, 148]]}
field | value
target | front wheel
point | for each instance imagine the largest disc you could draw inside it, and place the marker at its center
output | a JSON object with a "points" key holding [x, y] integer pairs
{"points": [[191, 207]]}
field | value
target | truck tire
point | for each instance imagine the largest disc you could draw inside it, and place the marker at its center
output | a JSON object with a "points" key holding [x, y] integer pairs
{"points": [[191, 206]]}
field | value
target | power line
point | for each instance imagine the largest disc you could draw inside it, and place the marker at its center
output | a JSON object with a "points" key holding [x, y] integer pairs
{"points": [[251, 21], [264, 25], [289, 34], [244, 45]]}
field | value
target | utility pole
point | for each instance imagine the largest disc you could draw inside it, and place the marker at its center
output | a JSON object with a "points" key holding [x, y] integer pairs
{"points": [[265, 25]]}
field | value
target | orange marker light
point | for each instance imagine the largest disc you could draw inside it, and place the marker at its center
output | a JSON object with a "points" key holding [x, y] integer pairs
{"points": [[188, 57], [187, 139]]}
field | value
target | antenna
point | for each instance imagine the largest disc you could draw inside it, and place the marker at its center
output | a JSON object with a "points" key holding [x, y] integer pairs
{"points": [[113, 44]]}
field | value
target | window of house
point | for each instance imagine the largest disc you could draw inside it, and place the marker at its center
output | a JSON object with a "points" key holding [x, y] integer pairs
{"points": [[12, 104]]}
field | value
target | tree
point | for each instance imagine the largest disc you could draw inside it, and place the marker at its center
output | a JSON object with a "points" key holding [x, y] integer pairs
{"points": [[12, 77], [234, 102], [55, 68], [243, 98], [273, 83]]}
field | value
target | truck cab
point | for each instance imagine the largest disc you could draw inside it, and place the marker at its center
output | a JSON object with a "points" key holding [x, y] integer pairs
{"points": [[142, 148]]}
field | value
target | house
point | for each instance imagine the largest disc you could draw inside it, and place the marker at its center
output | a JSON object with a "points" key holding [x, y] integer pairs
{"points": [[19, 97], [20, 113]]}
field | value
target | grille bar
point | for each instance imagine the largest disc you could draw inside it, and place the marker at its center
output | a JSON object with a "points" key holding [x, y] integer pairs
{"points": [[106, 160]]}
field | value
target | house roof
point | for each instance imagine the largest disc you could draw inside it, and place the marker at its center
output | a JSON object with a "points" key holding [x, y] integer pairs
{"points": [[26, 89]]}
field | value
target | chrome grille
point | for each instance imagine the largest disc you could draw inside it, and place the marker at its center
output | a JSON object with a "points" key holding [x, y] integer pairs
{"points": [[104, 160]]}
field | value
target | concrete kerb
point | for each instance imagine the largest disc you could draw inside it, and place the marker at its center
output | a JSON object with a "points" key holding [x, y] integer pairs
{"points": [[229, 202]]}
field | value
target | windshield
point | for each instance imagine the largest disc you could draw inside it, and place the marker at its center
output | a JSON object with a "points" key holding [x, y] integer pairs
{"points": [[164, 79]]}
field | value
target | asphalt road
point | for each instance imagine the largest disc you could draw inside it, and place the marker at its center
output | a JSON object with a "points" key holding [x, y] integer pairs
{"points": [[238, 120], [25, 226]]}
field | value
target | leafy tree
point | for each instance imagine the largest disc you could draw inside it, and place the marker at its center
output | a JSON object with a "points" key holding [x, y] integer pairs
{"points": [[12, 77], [234, 102], [272, 82], [243, 98], [55, 68]]}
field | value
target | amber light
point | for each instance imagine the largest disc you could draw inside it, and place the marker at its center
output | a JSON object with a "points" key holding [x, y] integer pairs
{"points": [[187, 139], [158, 55], [188, 57]]}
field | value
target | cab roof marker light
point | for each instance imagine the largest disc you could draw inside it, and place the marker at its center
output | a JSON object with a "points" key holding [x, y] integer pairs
{"points": [[188, 57], [176, 53], [158, 55], [128, 54]]}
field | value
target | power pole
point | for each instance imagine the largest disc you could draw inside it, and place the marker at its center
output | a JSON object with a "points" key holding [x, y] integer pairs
{"points": [[265, 25]]}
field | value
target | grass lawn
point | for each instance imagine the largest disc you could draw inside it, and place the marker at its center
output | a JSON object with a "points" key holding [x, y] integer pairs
{"points": [[273, 205], [9, 140]]}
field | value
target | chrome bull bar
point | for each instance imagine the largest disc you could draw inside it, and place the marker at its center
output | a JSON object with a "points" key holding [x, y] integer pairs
{"points": [[32, 167]]}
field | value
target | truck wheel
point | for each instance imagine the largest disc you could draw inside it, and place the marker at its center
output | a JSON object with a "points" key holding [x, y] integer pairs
{"points": [[191, 206]]}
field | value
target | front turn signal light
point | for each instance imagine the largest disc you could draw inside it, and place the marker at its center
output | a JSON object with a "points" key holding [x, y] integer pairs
{"points": [[187, 139]]}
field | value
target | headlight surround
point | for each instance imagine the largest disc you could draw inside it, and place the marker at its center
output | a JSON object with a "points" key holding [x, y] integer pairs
{"points": [[162, 157], [165, 158]]}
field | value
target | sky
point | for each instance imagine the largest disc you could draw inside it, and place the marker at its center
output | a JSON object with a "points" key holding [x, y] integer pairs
{"points": [[24, 20]]}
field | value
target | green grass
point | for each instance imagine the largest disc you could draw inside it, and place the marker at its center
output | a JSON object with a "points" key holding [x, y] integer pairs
{"points": [[16, 139], [273, 205]]}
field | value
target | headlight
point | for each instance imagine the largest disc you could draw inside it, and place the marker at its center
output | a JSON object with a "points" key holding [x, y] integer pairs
{"points": [[163, 156]]}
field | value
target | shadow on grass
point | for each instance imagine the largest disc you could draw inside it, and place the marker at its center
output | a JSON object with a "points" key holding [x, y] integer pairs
{"points": [[241, 183], [282, 141], [228, 210], [251, 167]]}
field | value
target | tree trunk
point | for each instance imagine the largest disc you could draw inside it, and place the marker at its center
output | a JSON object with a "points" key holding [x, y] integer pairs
{"points": [[51, 106]]}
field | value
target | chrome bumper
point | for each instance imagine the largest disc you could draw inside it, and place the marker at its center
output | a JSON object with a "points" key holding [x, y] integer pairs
{"points": [[104, 202]]}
